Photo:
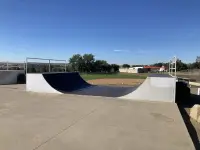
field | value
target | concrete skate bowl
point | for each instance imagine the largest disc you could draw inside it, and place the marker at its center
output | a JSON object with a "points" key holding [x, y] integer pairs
{"points": [[154, 88], [12, 77]]}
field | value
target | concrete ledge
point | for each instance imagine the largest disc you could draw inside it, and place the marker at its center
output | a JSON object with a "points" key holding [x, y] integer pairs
{"points": [[195, 113], [194, 83], [10, 76]]}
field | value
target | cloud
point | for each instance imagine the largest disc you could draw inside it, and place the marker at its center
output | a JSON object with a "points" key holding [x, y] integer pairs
{"points": [[138, 51], [121, 50]]}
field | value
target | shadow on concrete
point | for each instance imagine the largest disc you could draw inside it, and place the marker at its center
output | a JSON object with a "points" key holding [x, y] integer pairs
{"points": [[185, 100], [194, 99], [21, 78], [182, 92], [190, 127]]}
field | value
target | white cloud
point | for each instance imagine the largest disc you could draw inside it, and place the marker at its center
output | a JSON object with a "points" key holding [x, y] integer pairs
{"points": [[121, 50], [138, 51]]}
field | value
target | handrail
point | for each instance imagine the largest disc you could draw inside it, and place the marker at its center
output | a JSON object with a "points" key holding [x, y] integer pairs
{"points": [[45, 59], [49, 62]]}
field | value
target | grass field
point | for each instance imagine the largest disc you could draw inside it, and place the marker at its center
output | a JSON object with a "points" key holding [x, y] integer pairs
{"points": [[113, 76]]}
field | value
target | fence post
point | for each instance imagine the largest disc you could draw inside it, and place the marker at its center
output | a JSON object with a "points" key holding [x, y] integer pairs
{"points": [[26, 65], [7, 65], [65, 66], [175, 65], [49, 65]]}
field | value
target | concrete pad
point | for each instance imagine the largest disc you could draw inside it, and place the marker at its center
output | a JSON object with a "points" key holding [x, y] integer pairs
{"points": [[30, 121], [195, 112]]}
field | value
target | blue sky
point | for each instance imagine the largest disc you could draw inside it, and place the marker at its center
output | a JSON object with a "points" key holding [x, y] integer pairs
{"points": [[119, 31]]}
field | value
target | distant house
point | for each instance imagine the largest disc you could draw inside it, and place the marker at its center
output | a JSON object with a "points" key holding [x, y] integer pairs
{"points": [[154, 68], [144, 69], [131, 70]]}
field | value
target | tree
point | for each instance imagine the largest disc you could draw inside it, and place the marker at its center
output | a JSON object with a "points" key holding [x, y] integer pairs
{"points": [[137, 65], [115, 67], [31, 68], [76, 62], [160, 64], [106, 68], [180, 65], [99, 65], [126, 66], [88, 62], [195, 65]]}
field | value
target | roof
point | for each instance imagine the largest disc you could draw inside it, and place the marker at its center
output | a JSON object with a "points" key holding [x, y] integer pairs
{"points": [[152, 67]]}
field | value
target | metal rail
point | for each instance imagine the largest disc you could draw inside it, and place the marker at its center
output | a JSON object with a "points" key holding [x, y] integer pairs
{"points": [[172, 66], [46, 59], [7, 65]]}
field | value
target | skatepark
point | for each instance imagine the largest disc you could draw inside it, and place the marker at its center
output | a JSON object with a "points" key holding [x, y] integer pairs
{"points": [[99, 75], [63, 111], [156, 87]]}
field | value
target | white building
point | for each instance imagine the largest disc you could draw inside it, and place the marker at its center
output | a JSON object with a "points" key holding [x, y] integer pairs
{"points": [[130, 70]]}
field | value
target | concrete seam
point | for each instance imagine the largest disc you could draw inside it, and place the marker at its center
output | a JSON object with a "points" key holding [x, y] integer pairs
{"points": [[63, 130]]}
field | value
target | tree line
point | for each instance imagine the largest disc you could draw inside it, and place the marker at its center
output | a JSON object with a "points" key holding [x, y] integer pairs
{"points": [[87, 63], [180, 66]]}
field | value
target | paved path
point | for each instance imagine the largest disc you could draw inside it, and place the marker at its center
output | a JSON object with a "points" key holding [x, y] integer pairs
{"points": [[31, 121]]}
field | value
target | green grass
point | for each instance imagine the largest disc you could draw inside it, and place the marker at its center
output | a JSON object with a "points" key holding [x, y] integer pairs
{"points": [[113, 76]]}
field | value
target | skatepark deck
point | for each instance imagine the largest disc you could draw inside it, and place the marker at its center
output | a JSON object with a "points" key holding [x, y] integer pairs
{"points": [[33, 121], [160, 75]]}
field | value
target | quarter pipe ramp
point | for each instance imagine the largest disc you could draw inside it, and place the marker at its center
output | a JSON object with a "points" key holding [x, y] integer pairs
{"points": [[154, 88]]}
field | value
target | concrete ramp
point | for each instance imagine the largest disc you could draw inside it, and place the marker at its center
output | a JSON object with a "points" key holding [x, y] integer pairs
{"points": [[37, 83], [58, 83], [155, 88], [9, 76], [71, 83]]}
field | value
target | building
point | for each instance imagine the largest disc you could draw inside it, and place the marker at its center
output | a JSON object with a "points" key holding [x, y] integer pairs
{"points": [[155, 69], [131, 70], [144, 69]]}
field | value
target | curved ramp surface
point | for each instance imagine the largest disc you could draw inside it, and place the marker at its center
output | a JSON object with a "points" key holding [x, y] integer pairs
{"points": [[71, 83], [154, 88], [107, 91], [37, 83], [9, 76], [65, 82]]}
